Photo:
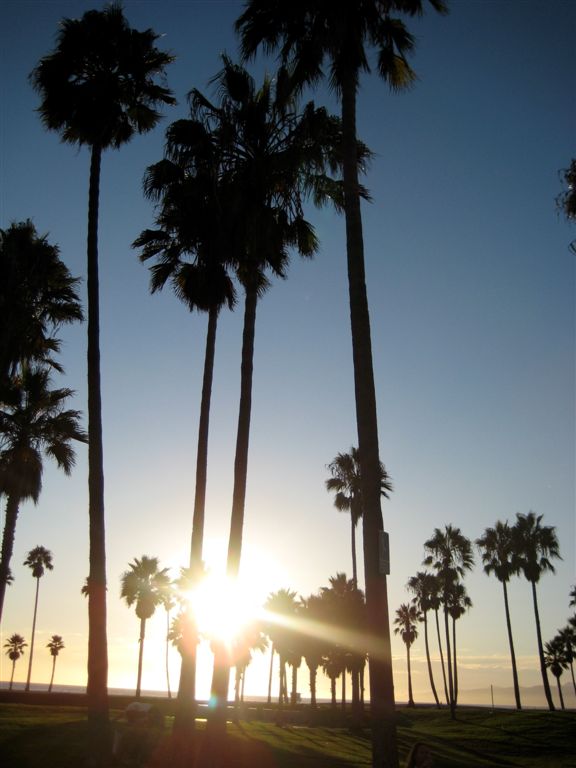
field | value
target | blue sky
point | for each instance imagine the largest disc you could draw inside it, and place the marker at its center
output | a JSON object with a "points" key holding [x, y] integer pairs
{"points": [[471, 287]]}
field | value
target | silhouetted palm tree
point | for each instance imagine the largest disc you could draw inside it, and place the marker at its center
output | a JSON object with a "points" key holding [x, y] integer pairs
{"points": [[450, 554], [406, 626], [556, 661], [345, 483], [249, 640], [568, 637], [280, 155], [281, 607], [307, 34], [191, 248], [33, 424], [14, 650], [536, 546], [38, 560], [37, 295], [458, 604], [423, 587], [98, 88], [314, 643], [499, 557], [145, 585], [55, 645]]}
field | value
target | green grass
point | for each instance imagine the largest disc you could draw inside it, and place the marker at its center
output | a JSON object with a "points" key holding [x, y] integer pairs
{"points": [[34, 736]]}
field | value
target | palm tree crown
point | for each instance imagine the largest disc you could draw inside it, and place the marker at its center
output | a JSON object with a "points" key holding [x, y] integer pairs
{"points": [[537, 545]]}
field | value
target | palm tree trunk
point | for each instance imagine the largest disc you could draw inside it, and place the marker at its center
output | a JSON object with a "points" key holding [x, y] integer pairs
{"points": [[410, 694], [12, 505], [270, 675], [449, 665], [572, 673], [294, 691], [442, 657], [221, 676], [33, 633], [313, 672], [12, 675], [97, 684], [512, 653], [354, 563], [343, 690], [429, 662], [52, 676], [333, 691], [140, 656], [547, 692], [454, 661], [168, 653], [560, 692], [384, 743], [184, 720]]}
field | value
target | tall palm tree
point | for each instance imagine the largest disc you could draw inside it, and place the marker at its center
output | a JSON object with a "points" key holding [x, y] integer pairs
{"points": [[536, 546], [308, 34], [422, 585], [499, 557], [98, 88], [168, 600], [556, 661], [55, 645], [458, 604], [37, 295], [38, 560], [450, 554], [33, 424], [14, 650], [280, 155], [406, 625], [144, 585], [191, 247], [345, 483]]}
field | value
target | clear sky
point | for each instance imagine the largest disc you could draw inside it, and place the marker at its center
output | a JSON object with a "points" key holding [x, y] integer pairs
{"points": [[472, 297]]}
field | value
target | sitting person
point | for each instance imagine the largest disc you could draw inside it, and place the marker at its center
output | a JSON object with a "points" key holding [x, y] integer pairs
{"points": [[420, 756]]}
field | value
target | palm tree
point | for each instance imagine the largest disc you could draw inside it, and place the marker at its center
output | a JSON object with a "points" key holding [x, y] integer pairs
{"points": [[14, 650], [556, 661], [406, 620], [190, 248], [145, 585], [422, 585], [38, 560], [346, 485], [568, 636], [450, 554], [458, 604], [98, 88], [280, 156], [55, 645], [499, 557], [37, 295], [249, 640], [308, 34], [281, 607], [536, 546], [313, 610], [167, 599], [33, 424]]}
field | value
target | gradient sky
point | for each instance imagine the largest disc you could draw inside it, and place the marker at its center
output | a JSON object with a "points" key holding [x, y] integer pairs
{"points": [[472, 296]]}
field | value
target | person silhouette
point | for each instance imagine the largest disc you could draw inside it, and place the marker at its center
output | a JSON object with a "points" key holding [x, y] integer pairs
{"points": [[420, 756]]}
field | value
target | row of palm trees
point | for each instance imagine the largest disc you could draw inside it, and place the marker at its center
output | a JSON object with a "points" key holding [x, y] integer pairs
{"points": [[528, 547], [15, 650], [98, 88]]}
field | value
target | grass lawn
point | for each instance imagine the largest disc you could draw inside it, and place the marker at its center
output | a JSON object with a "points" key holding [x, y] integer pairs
{"points": [[35, 736]]}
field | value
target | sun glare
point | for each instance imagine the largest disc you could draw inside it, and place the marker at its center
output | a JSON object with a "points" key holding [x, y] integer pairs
{"points": [[222, 607]]}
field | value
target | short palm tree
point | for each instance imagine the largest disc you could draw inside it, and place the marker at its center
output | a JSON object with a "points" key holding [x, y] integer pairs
{"points": [[98, 88], [55, 645], [450, 554], [14, 650], [345, 483], [281, 607], [536, 546], [37, 295], [556, 661], [499, 558], [567, 636], [406, 625], [39, 560], [458, 604], [422, 585], [313, 611], [144, 585], [307, 34], [33, 424]]}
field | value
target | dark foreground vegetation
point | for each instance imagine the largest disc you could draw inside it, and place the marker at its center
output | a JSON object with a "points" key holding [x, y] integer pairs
{"points": [[55, 736]]}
